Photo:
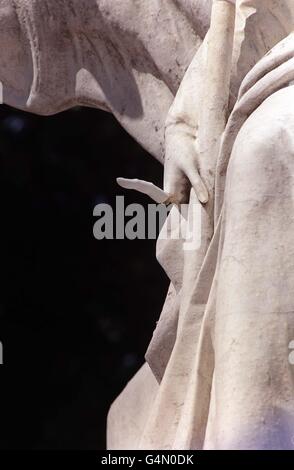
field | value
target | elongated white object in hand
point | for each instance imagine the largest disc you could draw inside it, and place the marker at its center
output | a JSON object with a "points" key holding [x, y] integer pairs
{"points": [[145, 187]]}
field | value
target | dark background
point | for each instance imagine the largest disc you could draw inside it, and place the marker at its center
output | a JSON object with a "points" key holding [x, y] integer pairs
{"points": [[76, 314]]}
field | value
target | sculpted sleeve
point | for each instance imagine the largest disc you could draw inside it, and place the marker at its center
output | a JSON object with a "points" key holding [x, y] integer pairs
{"points": [[127, 57]]}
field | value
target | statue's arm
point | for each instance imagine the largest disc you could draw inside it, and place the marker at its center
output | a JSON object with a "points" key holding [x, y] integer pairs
{"points": [[206, 78], [181, 170], [181, 164]]}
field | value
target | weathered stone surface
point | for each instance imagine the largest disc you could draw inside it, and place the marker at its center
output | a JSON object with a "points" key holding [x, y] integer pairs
{"points": [[218, 373]]}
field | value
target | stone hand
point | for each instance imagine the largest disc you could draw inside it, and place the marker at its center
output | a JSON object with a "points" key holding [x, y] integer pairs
{"points": [[180, 173]]}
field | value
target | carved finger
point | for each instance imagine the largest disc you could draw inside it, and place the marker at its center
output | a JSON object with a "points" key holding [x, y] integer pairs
{"points": [[145, 187]]}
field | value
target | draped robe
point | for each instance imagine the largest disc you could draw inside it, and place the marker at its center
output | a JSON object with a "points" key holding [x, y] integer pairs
{"points": [[220, 352], [101, 53]]}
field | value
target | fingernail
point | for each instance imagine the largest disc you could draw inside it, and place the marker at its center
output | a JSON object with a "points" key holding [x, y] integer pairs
{"points": [[203, 197]]}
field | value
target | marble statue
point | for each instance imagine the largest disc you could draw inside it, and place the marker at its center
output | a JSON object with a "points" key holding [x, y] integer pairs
{"points": [[207, 88]]}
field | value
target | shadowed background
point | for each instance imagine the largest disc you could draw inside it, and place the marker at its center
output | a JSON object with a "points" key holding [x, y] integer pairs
{"points": [[76, 314]]}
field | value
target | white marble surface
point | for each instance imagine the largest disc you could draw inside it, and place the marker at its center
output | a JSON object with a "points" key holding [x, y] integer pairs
{"points": [[218, 374]]}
